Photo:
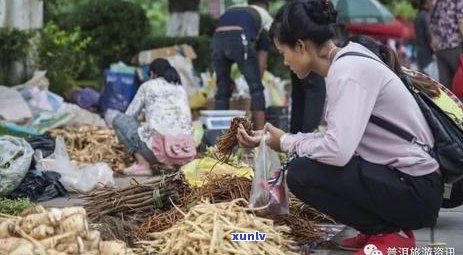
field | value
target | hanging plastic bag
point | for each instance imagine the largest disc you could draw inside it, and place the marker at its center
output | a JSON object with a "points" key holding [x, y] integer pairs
{"points": [[15, 159], [269, 184]]}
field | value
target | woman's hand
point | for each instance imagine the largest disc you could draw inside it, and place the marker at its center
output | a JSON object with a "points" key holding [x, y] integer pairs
{"points": [[273, 136], [246, 140]]}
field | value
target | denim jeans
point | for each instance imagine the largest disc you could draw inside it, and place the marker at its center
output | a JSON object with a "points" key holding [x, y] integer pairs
{"points": [[227, 48], [126, 129]]}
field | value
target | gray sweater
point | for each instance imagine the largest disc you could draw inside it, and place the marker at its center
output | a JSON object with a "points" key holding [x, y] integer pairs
{"points": [[357, 87]]}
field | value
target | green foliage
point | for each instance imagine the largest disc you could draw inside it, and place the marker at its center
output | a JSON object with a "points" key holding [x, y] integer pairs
{"points": [[276, 64], [14, 207], [157, 13], [62, 54], [14, 46], [207, 24], [404, 9], [117, 29]]}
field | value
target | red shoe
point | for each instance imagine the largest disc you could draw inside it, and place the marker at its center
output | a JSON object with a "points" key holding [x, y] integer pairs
{"points": [[354, 243], [392, 243]]}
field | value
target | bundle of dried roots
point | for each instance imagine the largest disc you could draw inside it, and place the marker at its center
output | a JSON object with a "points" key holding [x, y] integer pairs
{"points": [[224, 188], [228, 141], [139, 200], [304, 211]]}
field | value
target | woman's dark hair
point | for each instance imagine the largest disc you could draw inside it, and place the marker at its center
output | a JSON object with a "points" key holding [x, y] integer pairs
{"points": [[159, 65], [162, 68], [386, 54], [389, 57], [304, 19]]}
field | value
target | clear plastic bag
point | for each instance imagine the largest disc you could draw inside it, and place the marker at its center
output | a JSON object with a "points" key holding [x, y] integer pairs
{"points": [[269, 184], [73, 178]]}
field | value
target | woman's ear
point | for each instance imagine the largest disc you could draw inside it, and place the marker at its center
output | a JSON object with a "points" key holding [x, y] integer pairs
{"points": [[300, 46]]}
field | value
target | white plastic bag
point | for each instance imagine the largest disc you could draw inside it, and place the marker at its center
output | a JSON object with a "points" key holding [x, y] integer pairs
{"points": [[269, 183], [85, 179]]}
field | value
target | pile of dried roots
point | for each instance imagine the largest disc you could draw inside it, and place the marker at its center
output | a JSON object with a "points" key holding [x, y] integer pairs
{"points": [[218, 189], [88, 144], [54, 232], [207, 229]]}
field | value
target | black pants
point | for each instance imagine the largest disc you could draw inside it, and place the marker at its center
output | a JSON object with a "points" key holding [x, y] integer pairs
{"points": [[227, 48], [307, 102], [368, 197]]}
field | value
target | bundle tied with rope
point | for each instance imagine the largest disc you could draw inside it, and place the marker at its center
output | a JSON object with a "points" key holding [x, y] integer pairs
{"points": [[139, 200], [227, 141]]}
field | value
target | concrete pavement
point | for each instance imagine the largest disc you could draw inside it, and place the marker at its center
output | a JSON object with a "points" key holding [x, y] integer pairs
{"points": [[449, 230]]}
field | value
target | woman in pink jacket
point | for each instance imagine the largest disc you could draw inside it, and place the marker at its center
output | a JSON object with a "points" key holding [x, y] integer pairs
{"points": [[353, 170]]}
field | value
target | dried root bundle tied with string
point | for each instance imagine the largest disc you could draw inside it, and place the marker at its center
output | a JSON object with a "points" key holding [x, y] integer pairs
{"points": [[88, 145], [207, 229], [138, 199], [228, 141], [54, 231]]}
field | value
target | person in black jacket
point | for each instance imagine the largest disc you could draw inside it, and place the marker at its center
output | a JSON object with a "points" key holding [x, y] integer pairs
{"points": [[424, 52]]}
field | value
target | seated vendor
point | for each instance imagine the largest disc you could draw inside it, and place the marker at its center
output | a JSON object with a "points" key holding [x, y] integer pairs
{"points": [[164, 102]]}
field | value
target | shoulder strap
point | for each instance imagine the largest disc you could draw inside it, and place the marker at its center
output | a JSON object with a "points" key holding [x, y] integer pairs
{"points": [[391, 127]]}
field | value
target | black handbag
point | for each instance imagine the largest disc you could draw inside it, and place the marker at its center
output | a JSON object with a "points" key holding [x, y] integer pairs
{"points": [[448, 140]]}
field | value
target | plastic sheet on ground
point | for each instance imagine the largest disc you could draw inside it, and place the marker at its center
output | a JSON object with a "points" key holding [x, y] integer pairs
{"points": [[85, 179], [15, 160], [80, 116], [13, 108], [197, 171]]}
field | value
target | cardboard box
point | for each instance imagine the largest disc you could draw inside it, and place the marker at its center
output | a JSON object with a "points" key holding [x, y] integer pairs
{"points": [[147, 56]]}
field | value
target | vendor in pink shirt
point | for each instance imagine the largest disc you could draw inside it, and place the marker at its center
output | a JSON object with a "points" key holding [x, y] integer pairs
{"points": [[352, 170]]}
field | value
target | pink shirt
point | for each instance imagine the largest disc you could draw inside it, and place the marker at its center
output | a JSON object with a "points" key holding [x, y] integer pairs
{"points": [[357, 87]]}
